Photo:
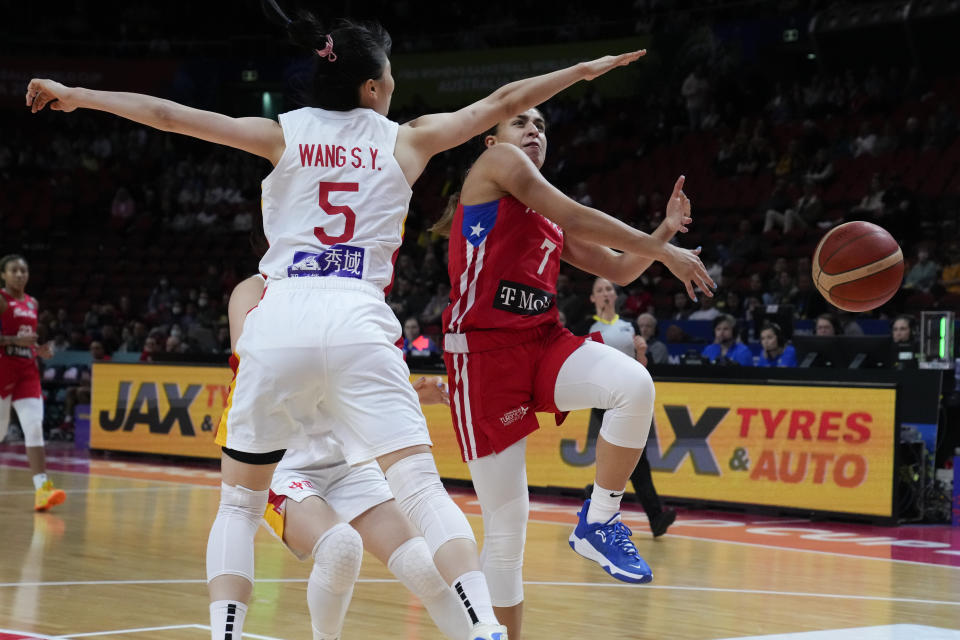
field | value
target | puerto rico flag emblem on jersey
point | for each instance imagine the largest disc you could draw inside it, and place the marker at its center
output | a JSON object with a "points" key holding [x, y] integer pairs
{"points": [[503, 266], [478, 221]]}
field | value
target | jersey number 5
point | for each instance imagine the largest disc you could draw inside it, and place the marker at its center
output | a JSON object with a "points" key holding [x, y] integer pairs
{"points": [[336, 210]]}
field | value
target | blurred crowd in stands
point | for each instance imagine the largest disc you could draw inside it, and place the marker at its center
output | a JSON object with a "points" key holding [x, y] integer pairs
{"points": [[136, 238]]}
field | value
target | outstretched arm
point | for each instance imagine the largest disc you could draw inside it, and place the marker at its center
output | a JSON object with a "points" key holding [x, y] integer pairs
{"points": [[259, 136], [428, 135], [512, 172], [624, 268]]}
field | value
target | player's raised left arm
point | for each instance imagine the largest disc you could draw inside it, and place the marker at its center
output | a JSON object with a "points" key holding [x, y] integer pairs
{"points": [[433, 133], [259, 136]]}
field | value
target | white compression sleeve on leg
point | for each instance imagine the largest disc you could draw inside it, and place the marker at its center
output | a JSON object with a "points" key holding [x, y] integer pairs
{"points": [[230, 545], [5, 404], [500, 481], [599, 376], [336, 566], [416, 486], [30, 413], [413, 566]]}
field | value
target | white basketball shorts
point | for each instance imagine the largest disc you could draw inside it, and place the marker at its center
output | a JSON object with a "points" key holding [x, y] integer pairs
{"points": [[319, 354]]}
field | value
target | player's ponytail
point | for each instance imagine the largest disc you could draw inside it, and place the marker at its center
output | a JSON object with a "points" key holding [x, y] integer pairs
{"points": [[344, 57], [4, 261], [442, 226]]}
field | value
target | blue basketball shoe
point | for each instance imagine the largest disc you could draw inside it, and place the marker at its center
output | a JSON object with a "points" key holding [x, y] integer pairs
{"points": [[609, 545], [482, 631]]}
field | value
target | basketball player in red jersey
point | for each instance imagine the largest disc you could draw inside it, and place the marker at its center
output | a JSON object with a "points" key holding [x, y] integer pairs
{"points": [[333, 212], [19, 376], [508, 357]]}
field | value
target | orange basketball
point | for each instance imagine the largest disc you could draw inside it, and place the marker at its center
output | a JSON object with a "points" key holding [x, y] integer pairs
{"points": [[857, 266]]}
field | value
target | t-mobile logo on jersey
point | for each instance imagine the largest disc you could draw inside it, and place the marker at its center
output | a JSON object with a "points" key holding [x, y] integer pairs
{"points": [[514, 297]]}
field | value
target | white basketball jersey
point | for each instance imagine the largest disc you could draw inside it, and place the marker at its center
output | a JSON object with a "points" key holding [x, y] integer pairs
{"points": [[334, 205]]}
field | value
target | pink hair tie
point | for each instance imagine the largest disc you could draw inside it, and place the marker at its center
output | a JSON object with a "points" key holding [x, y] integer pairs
{"points": [[327, 51]]}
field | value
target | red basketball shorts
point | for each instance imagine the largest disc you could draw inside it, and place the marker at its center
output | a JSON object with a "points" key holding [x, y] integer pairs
{"points": [[19, 377], [499, 380]]}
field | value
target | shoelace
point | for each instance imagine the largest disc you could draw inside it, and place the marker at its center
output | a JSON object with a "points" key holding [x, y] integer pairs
{"points": [[621, 536]]}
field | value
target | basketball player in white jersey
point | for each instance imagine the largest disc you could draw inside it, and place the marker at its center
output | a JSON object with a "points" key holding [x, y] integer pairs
{"points": [[327, 511], [323, 337]]}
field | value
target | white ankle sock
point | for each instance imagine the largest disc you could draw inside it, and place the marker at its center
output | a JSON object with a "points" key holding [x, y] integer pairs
{"points": [[474, 594], [604, 504], [39, 479], [226, 619]]}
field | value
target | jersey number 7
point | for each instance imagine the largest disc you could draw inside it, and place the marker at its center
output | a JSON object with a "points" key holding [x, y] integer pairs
{"points": [[336, 210]]}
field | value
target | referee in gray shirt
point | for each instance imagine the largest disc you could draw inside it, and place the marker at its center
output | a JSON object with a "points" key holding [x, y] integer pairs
{"points": [[620, 334]]}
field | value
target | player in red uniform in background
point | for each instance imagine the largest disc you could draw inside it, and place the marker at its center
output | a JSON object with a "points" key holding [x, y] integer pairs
{"points": [[507, 355], [19, 376]]}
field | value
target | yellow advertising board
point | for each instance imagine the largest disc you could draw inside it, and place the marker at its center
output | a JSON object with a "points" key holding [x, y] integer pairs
{"points": [[155, 408], [826, 448], [802, 447]]}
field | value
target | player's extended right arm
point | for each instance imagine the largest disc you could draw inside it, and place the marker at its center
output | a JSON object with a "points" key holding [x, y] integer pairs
{"points": [[259, 136], [513, 172]]}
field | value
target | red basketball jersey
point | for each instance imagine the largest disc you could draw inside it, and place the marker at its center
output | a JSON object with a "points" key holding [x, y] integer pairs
{"points": [[503, 264], [20, 318]]}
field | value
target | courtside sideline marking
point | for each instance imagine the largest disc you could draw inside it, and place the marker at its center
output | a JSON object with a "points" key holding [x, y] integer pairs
{"points": [[542, 583], [117, 632], [188, 487], [182, 482], [817, 551]]}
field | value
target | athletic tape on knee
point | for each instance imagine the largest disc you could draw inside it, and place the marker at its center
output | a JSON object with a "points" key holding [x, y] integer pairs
{"points": [[419, 493], [627, 423], [230, 545], [504, 537], [338, 555], [30, 413]]}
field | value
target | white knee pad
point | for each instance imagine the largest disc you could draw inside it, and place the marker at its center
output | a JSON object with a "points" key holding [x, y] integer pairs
{"points": [[337, 556], [230, 545], [30, 413], [627, 424], [336, 565], [419, 493], [504, 537], [413, 565]]}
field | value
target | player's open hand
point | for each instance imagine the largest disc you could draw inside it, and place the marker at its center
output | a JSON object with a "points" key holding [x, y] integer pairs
{"points": [[600, 66], [45, 350], [678, 209], [686, 265], [431, 390], [40, 93]]}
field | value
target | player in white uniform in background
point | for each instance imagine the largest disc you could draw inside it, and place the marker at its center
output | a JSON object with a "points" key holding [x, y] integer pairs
{"points": [[318, 501], [323, 338]]}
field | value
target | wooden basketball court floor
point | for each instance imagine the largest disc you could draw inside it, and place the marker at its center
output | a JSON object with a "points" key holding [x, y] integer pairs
{"points": [[123, 558]]}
